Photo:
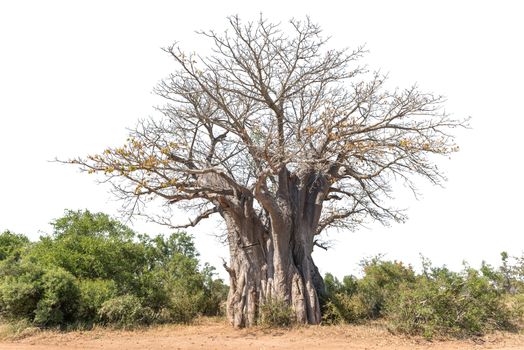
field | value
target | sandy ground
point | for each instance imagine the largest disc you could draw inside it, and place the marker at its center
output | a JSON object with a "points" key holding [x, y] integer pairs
{"points": [[212, 334]]}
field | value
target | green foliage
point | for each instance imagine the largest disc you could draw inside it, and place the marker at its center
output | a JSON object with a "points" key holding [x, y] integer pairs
{"points": [[94, 269], [449, 303], [437, 302], [59, 301], [380, 282], [354, 300], [11, 244], [84, 223], [89, 247], [343, 303], [125, 311], [516, 305], [333, 285], [509, 276], [93, 294], [276, 313], [341, 308], [46, 297], [185, 305], [21, 291], [215, 293]]}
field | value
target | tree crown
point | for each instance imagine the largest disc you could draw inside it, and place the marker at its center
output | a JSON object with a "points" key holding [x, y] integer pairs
{"points": [[268, 99]]}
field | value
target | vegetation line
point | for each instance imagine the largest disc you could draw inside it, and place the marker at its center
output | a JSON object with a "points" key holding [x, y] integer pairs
{"points": [[93, 270]]}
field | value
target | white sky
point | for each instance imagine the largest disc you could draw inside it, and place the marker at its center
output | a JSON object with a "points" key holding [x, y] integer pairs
{"points": [[74, 75]]}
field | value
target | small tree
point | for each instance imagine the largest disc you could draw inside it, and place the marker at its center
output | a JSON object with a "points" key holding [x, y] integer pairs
{"points": [[283, 138]]}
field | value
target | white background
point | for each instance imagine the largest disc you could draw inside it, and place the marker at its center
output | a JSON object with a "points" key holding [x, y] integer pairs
{"points": [[74, 75]]}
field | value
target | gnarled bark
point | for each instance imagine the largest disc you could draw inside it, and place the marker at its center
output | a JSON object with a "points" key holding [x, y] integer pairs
{"points": [[273, 260], [250, 268]]}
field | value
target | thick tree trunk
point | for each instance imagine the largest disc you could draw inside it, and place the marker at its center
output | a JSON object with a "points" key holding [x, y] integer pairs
{"points": [[250, 268], [265, 267], [269, 262]]}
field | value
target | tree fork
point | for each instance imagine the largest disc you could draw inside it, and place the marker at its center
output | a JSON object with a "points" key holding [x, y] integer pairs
{"points": [[259, 274]]}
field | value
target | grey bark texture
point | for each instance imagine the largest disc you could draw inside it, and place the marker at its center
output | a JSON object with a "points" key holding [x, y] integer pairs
{"points": [[275, 262]]}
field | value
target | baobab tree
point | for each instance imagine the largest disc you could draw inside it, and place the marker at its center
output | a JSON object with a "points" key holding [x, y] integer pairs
{"points": [[283, 138]]}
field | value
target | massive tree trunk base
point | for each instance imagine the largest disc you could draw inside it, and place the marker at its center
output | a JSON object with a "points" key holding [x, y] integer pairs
{"points": [[266, 268], [251, 287]]}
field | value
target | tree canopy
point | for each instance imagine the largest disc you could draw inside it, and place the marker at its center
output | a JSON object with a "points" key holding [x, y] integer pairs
{"points": [[268, 99]]}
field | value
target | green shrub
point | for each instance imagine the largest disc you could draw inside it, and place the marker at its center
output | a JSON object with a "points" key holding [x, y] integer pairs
{"points": [[348, 286], [437, 302], [125, 311], [185, 306], [93, 294], [20, 291], [344, 308], [60, 298], [153, 287], [93, 256], [354, 300], [380, 282], [340, 303], [18, 298], [215, 296], [331, 313], [11, 244], [515, 304], [276, 313], [46, 297], [90, 259], [448, 304]]}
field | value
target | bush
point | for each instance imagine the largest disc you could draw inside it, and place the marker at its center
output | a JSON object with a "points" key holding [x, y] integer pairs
{"points": [[341, 303], [437, 302], [516, 305], [448, 304], [348, 286], [92, 256], [380, 282], [92, 268], [21, 291], [11, 244], [215, 296], [354, 300], [46, 297], [185, 306], [276, 313], [125, 312], [344, 308], [60, 299], [93, 294]]}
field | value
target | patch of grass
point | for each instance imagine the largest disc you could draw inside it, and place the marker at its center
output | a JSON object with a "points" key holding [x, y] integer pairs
{"points": [[16, 330], [276, 313]]}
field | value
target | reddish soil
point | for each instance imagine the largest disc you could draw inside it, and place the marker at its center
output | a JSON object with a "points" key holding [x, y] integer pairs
{"points": [[212, 334]]}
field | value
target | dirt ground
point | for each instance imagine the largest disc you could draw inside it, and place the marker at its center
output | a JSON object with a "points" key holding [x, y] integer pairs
{"points": [[213, 334]]}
